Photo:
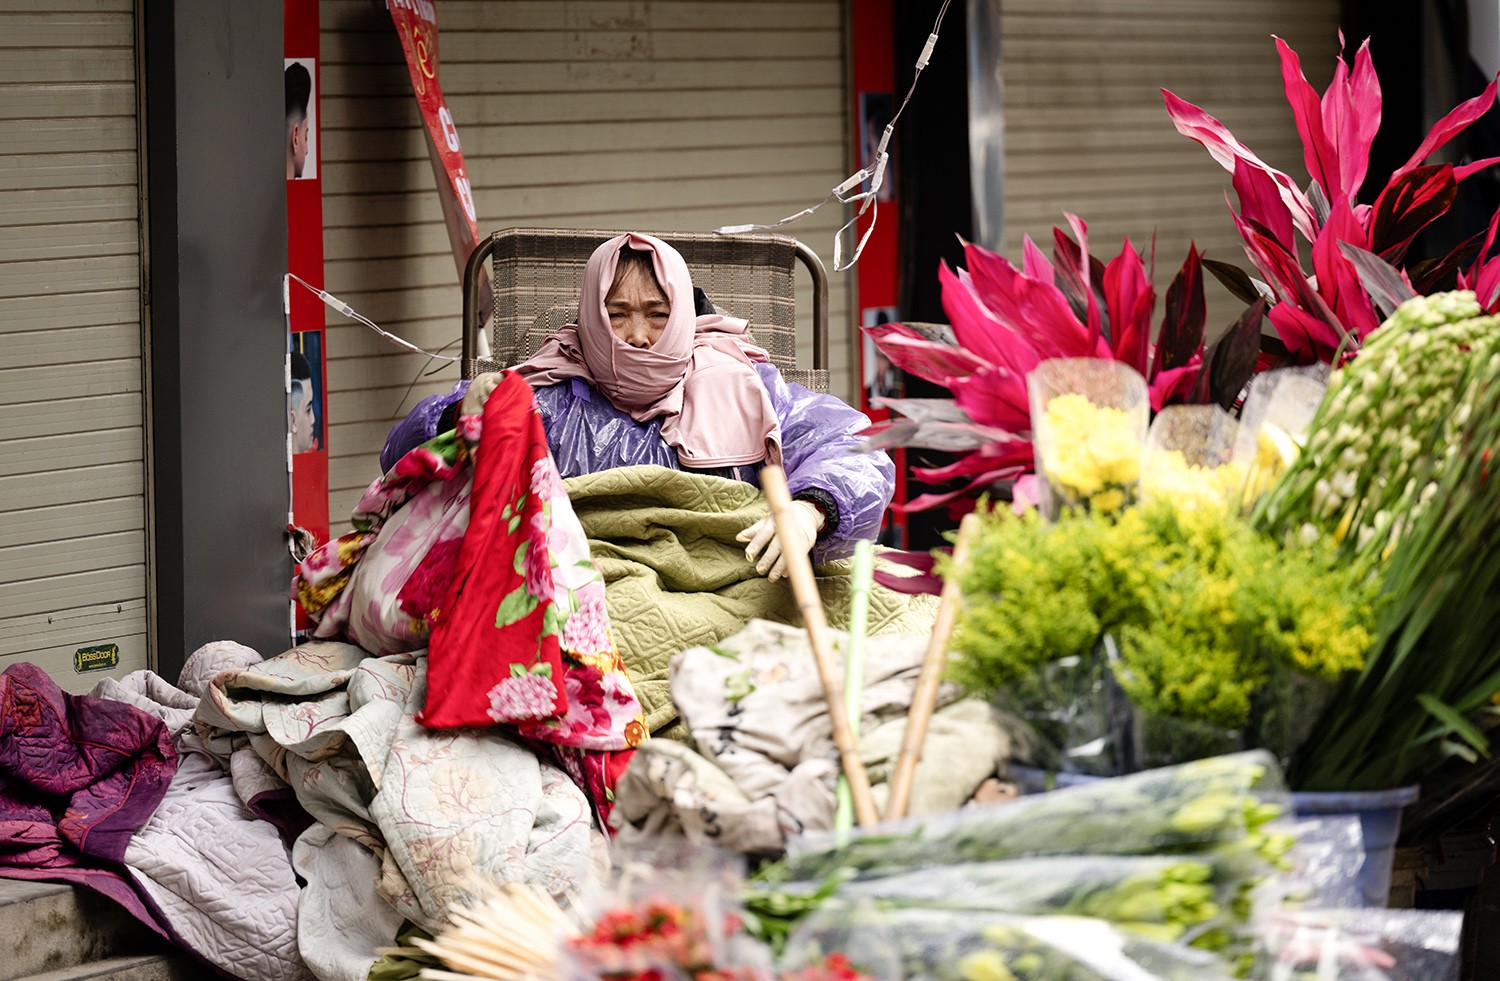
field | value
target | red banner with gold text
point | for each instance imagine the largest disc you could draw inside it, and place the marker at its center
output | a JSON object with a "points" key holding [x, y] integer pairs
{"points": [[416, 23]]}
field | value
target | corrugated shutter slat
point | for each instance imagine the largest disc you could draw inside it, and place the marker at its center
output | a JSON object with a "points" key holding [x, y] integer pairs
{"points": [[72, 430]]}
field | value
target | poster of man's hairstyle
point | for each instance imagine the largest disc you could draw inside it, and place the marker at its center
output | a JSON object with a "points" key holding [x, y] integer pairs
{"points": [[305, 399], [301, 135]]}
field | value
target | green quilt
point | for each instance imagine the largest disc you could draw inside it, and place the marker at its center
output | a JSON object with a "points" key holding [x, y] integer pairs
{"points": [[675, 577]]}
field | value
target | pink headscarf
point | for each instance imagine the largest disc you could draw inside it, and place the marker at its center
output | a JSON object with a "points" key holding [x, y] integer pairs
{"points": [[698, 376]]}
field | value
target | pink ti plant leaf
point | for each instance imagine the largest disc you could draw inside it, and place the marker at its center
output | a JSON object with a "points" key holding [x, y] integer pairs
{"points": [[1261, 202], [939, 363], [1459, 119], [1035, 311], [1351, 115], [1407, 205], [1066, 258], [1339, 283], [1231, 360], [1308, 340], [1186, 315], [1388, 286], [1198, 125], [1131, 301], [1318, 151], [1081, 232], [1034, 263], [994, 396]]}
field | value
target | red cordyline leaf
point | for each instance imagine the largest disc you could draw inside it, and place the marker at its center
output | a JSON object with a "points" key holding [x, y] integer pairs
{"points": [[1469, 169], [1462, 116], [1279, 266], [995, 456], [1481, 258], [1066, 260], [1035, 264], [1408, 205], [1198, 125], [994, 397], [1232, 359], [1351, 116], [1186, 315], [982, 482], [878, 332], [1285, 274], [1388, 286], [978, 328], [1035, 311], [1260, 201], [1426, 275], [1308, 340], [1338, 281], [940, 364], [1130, 299], [1487, 284], [1081, 231], [1175, 385], [1317, 151]]}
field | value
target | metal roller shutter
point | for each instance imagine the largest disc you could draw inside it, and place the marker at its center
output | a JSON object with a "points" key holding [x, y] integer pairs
{"points": [[607, 114], [1085, 130], [73, 519]]}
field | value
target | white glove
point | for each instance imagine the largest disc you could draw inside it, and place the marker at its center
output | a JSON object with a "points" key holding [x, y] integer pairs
{"points": [[479, 393], [805, 521]]}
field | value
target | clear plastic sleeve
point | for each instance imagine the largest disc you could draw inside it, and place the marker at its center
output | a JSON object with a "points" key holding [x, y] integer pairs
{"points": [[1192, 807], [946, 945], [1176, 898], [1360, 945], [670, 910]]}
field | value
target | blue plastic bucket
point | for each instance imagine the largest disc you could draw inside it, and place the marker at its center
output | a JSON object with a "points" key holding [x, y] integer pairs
{"points": [[1379, 813]]}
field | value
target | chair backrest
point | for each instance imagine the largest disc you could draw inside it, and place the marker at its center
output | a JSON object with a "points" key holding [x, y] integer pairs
{"points": [[535, 274]]}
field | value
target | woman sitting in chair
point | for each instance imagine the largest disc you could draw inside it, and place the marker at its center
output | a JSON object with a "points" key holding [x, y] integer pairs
{"points": [[649, 376]]}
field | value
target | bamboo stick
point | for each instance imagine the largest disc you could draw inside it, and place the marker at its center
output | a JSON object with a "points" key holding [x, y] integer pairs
{"points": [[810, 604], [929, 678], [860, 578]]}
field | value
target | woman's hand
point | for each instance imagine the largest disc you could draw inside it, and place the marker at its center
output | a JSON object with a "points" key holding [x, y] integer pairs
{"points": [[804, 523], [479, 393]]}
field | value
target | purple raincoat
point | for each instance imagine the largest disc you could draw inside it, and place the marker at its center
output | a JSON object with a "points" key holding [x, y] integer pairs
{"points": [[587, 434]]}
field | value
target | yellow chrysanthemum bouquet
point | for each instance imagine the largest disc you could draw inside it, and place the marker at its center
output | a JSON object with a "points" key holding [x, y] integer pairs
{"points": [[1136, 618]]}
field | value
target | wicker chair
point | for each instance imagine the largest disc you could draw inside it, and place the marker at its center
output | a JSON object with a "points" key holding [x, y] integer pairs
{"points": [[536, 272]]}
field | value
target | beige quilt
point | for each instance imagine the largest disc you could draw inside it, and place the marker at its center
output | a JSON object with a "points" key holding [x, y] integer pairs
{"points": [[676, 578]]}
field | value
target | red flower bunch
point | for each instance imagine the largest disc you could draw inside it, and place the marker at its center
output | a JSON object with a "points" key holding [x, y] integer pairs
{"points": [[1358, 250], [834, 967], [646, 942], [1005, 321], [660, 940]]}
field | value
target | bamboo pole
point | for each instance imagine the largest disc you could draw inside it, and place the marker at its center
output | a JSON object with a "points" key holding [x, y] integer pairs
{"points": [[860, 578], [929, 678], [810, 605]]}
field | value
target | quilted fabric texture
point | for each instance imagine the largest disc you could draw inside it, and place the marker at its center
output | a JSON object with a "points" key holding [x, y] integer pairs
{"points": [[436, 806], [78, 776], [675, 577]]}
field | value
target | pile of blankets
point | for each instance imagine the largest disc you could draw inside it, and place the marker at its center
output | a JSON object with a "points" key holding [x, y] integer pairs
{"points": [[457, 716]]}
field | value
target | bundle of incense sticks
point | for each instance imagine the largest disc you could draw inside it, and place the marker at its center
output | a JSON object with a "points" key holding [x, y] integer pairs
{"points": [[511, 932]]}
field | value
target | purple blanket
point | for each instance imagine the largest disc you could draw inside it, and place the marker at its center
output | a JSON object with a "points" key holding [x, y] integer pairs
{"points": [[78, 776]]}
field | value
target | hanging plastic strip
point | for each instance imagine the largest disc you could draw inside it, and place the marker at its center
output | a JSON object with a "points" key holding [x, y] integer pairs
{"points": [[353, 314], [874, 173]]}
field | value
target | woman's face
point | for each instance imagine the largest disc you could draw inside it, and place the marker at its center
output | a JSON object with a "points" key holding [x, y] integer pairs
{"points": [[638, 309]]}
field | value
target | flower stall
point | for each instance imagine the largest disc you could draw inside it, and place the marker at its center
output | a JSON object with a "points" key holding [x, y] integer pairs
{"points": [[1233, 604]]}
